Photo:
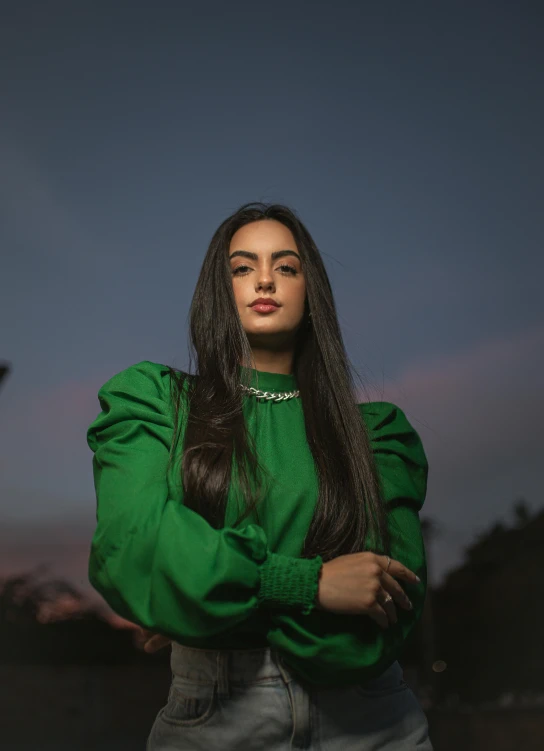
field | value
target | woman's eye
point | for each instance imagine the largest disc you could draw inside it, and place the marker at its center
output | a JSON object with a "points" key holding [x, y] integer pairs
{"points": [[237, 269], [286, 269]]}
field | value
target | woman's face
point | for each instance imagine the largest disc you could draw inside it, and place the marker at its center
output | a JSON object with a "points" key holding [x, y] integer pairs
{"points": [[264, 262]]}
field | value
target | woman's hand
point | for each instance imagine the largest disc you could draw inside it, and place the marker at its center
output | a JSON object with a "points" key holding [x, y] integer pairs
{"points": [[150, 642], [358, 583]]}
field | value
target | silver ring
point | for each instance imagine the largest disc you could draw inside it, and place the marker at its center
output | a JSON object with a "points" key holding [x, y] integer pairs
{"points": [[387, 598], [388, 563]]}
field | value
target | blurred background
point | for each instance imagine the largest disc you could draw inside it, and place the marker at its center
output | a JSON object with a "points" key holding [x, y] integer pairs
{"points": [[408, 137]]}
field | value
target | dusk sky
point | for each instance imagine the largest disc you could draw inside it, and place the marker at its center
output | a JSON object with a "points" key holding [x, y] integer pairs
{"points": [[408, 136]]}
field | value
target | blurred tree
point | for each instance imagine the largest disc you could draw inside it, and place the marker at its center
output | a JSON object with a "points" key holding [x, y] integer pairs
{"points": [[522, 514], [488, 613], [430, 530], [4, 371], [47, 622]]}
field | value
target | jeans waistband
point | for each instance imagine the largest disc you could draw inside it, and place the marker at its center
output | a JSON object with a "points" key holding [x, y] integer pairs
{"points": [[226, 666], [245, 667]]}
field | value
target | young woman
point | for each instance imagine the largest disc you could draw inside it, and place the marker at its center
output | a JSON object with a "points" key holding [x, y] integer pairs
{"points": [[259, 518]]}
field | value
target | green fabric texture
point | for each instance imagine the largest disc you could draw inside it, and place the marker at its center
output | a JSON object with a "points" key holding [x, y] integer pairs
{"points": [[161, 565]]}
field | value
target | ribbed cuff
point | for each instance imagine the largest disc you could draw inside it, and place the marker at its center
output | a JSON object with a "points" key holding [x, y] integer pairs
{"points": [[288, 582]]}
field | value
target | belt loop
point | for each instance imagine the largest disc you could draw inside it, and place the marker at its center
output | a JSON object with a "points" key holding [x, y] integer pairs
{"points": [[222, 678]]}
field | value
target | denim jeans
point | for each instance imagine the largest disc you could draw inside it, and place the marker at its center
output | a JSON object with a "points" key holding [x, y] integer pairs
{"points": [[249, 700]]}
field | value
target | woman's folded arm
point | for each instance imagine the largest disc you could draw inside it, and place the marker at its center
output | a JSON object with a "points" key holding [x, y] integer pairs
{"points": [[327, 647], [156, 562]]}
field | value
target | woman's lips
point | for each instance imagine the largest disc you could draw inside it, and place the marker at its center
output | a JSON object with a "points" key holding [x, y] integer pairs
{"points": [[262, 308]]}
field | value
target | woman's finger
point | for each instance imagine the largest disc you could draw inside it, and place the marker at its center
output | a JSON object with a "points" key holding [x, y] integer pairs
{"points": [[141, 635], [397, 569], [388, 605], [159, 642], [156, 642], [396, 591], [378, 614]]}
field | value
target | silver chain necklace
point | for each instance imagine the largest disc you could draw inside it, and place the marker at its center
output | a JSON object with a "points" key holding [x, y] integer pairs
{"points": [[280, 396]]}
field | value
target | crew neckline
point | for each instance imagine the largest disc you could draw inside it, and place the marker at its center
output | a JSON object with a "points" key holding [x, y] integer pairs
{"points": [[266, 381]]}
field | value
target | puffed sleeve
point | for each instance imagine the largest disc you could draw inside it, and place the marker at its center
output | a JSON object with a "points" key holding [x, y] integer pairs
{"points": [[331, 649], [156, 562]]}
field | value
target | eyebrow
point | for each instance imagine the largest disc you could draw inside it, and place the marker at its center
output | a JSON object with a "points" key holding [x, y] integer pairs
{"points": [[255, 257]]}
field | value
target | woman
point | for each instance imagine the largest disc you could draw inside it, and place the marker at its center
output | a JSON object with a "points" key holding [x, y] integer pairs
{"points": [[259, 518]]}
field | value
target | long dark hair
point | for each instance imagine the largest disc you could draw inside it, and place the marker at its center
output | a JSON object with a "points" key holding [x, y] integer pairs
{"points": [[349, 515]]}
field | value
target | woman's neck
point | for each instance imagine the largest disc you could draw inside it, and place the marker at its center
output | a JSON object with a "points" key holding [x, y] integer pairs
{"points": [[272, 362]]}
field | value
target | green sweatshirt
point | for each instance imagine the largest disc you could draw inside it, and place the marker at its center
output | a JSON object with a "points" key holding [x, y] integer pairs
{"points": [[161, 565]]}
